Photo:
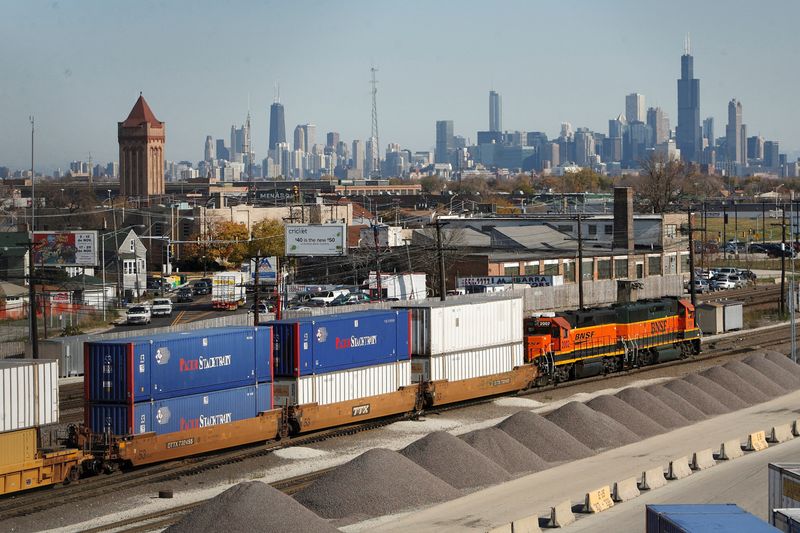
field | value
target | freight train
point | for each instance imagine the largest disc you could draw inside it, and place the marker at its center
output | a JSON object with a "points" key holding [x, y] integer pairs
{"points": [[171, 396]]}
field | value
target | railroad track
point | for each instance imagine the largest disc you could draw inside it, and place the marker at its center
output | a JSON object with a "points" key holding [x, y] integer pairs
{"points": [[749, 296]]}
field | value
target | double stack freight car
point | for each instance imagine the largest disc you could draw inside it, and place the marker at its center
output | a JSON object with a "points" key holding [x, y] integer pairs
{"points": [[580, 344], [171, 396], [29, 402]]}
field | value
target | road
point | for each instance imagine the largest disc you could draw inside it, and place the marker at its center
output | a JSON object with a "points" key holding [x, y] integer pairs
{"points": [[183, 313]]}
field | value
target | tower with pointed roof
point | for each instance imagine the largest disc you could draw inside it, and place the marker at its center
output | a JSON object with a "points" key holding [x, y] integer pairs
{"points": [[141, 152]]}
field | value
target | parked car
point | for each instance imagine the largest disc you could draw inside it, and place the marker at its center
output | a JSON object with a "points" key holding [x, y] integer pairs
{"points": [[722, 282], [201, 287], [757, 248], [748, 275], [263, 308], [700, 286], [326, 297], [138, 314], [184, 295], [161, 307]]}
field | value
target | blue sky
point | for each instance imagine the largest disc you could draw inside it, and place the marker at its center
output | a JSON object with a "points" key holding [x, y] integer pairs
{"points": [[79, 65]]}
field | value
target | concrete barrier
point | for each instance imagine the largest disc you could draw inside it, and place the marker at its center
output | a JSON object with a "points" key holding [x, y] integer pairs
{"points": [[505, 528], [598, 500], [679, 468], [561, 515], [756, 442], [780, 434], [703, 459], [653, 479], [730, 449], [625, 490], [796, 428], [529, 524]]}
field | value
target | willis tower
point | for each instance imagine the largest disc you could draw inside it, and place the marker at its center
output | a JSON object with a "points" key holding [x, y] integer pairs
{"points": [[277, 126], [688, 131]]}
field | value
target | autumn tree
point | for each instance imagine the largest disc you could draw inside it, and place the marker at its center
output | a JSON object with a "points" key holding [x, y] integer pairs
{"points": [[432, 184], [662, 181], [268, 239], [584, 180], [227, 242]]}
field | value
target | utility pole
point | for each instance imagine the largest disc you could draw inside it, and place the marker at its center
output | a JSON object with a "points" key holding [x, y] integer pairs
{"points": [[376, 166], [725, 233], [442, 281], [33, 184], [256, 288], [579, 266], [692, 288], [783, 259], [34, 327], [379, 283]]}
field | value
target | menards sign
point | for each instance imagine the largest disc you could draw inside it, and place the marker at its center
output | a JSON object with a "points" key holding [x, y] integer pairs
{"points": [[533, 281]]}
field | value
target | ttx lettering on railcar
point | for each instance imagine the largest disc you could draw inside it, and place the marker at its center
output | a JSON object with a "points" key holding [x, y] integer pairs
{"points": [[180, 443], [361, 410]]}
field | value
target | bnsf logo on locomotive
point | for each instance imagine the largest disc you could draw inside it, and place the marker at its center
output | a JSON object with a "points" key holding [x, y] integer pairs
{"points": [[204, 363], [658, 327], [585, 336], [355, 342]]}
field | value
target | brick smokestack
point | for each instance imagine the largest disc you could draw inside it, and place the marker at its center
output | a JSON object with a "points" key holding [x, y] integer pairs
{"points": [[623, 219]]}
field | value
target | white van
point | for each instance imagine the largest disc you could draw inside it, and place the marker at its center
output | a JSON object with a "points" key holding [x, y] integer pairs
{"points": [[327, 297]]}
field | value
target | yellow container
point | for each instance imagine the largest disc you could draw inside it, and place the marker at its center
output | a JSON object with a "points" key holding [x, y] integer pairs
{"points": [[17, 447]]}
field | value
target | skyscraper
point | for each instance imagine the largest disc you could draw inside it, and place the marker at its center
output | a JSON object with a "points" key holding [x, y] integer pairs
{"points": [[141, 140], [634, 107], [300, 138], [277, 126], [359, 154], [771, 154], [495, 112], [310, 131], [445, 143], [372, 163], [708, 130], [210, 153], [688, 132], [659, 123], [332, 139], [734, 134]]}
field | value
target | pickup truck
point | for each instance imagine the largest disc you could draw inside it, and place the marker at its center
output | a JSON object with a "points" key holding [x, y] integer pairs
{"points": [[161, 307], [138, 314]]}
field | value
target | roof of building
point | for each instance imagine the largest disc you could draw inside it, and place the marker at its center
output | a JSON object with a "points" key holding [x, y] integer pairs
{"points": [[10, 289], [141, 114], [538, 237]]}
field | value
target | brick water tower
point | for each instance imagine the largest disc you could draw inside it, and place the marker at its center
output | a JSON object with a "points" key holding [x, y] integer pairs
{"points": [[141, 152]]}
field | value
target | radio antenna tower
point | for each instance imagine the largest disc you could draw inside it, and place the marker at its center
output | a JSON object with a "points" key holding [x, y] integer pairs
{"points": [[376, 156]]}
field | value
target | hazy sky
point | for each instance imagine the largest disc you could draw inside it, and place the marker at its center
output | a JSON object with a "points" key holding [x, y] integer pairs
{"points": [[79, 65]]}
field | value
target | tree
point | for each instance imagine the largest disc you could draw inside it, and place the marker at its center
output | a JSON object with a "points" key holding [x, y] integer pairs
{"points": [[222, 246], [268, 239], [584, 180], [432, 184], [661, 181]]}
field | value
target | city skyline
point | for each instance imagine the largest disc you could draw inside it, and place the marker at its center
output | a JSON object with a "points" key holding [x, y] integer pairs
{"points": [[58, 85]]}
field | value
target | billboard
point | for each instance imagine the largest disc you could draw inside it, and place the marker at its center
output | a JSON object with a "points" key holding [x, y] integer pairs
{"points": [[533, 281], [65, 248], [267, 270], [316, 240]]}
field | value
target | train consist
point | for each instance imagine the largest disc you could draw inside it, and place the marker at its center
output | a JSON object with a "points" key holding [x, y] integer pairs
{"points": [[170, 396]]}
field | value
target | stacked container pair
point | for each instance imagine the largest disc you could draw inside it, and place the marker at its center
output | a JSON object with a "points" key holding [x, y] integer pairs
{"points": [[28, 394], [178, 381], [457, 340], [330, 359]]}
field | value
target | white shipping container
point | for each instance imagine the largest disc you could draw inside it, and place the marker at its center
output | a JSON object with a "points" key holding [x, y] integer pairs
{"points": [[784, 486], [28, 394], [444, 327], [343, 386], [468, 364], [786, 520]]}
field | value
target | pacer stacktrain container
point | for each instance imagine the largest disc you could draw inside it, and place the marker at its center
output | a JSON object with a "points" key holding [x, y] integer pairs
{"points": [[177, 364], [322, 344], [28, 394], [181, 413]]}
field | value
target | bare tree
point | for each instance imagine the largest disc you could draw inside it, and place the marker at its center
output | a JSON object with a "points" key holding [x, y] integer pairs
{"points": [[661, 181]]}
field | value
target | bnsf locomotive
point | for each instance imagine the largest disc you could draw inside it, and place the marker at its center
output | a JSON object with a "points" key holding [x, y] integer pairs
{"points": [[578, 344]]}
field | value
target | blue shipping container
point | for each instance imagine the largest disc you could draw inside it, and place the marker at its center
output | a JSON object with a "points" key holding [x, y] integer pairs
{"points": [[328, 343], [688, 518], [176, 364], [182, 413]]}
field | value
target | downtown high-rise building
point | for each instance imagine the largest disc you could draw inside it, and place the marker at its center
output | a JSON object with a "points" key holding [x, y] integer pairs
{"points": [[445, 142], [299, 138], [359, 156], [332, 139], [277, 125], [210, 152], [688, 132], [708, 131], [634, 107], [659, 124], [735, 134], [495, 112]]}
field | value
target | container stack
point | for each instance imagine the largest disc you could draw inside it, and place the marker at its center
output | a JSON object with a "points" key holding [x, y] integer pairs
{"points": [[455, 341], [178, 381], [28, 394], [339, 358]]}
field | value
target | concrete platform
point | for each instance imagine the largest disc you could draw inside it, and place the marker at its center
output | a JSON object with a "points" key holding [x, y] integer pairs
{"points": [[740, 481]]}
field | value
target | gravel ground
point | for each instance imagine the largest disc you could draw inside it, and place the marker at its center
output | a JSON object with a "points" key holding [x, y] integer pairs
{"points": [[252, 506], [681, 406], [445, 456], [783, 362], [544, 438], [773, 372], [594, 429], [627, 415], [652, 407], [755, 378], [730, 381], [377, 482], [729, 399], [698, 398], [504, 450]]}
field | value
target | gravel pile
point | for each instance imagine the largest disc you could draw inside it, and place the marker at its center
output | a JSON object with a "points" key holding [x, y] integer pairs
{"points": [[251, 506], [627, 415], [730, 381], [684, 408], [544, 438], [376, 483], [454, 461], [594, 429], [772, 371], [755, 378], [717, 391], [504, 450], [652, 407], [783, 362], [708, 405]]}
